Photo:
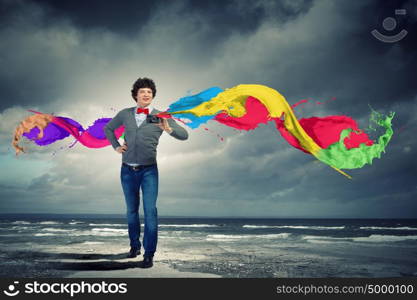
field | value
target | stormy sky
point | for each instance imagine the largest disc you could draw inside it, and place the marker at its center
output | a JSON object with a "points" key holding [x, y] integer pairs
{"points": [[79, 59]]}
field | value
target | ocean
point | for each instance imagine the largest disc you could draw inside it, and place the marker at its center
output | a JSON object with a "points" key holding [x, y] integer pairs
{"points": [[58, 245]]}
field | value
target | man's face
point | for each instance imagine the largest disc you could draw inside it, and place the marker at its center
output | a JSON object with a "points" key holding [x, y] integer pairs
{"points": [[144, 97]]}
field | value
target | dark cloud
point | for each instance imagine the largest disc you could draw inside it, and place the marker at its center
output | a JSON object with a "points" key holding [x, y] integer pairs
{"points": [[76, 57], [124, 17], [128, 17]]}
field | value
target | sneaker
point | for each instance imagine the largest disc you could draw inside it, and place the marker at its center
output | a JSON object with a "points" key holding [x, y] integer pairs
{"points": [[133, 253], [147, 262]]}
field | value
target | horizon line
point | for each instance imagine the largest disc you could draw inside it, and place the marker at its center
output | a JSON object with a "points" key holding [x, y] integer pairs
{"points": [[197, 216]]}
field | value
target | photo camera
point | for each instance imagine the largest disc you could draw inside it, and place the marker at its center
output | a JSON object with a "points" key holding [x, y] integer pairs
{"points": [[153, 119]]}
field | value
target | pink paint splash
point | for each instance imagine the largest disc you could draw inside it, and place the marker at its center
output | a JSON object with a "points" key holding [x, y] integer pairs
{"points": [[323, 130]]}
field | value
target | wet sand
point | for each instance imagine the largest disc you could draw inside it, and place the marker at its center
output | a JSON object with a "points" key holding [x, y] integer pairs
{"points": [[200, 254], [162, 268], [195, 258]]}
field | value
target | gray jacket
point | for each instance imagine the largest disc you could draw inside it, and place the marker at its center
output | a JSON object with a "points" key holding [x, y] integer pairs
{"points": [[141, 141]]}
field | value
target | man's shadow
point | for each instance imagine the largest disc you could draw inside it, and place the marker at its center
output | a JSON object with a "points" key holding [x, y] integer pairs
{"points": [[109, 262], [82, 260]]}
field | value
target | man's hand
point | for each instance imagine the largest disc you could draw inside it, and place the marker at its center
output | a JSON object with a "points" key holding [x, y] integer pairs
{"points": [[164, 125], [122, 149]]}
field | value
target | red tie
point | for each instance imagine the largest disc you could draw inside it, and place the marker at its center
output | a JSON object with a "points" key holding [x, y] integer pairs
{"points": [[142, 110]]}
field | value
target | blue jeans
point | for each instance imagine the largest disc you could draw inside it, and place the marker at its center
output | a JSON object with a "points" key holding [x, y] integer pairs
{"points": [[132, 180]]}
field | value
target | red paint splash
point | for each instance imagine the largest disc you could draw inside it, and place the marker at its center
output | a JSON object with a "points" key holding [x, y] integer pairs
{"points": [[323, 130]]}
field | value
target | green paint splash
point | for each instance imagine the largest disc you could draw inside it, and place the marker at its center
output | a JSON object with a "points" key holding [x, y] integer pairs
{"points": [[337, 155]]}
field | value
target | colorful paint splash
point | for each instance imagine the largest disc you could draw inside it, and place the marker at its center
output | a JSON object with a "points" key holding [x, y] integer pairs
{"points": [[45, 129], [334, 140]]}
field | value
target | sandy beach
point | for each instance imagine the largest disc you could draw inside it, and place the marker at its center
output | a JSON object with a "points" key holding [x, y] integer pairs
{"points": [[98, 260], [211, 248], [160, 269], [178, 258]]}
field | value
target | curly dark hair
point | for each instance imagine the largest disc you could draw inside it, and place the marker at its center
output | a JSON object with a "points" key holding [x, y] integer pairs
{"points": [[143, 83]]}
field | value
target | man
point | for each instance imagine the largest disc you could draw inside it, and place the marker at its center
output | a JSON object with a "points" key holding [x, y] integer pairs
{"points": [[139, 166]]}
